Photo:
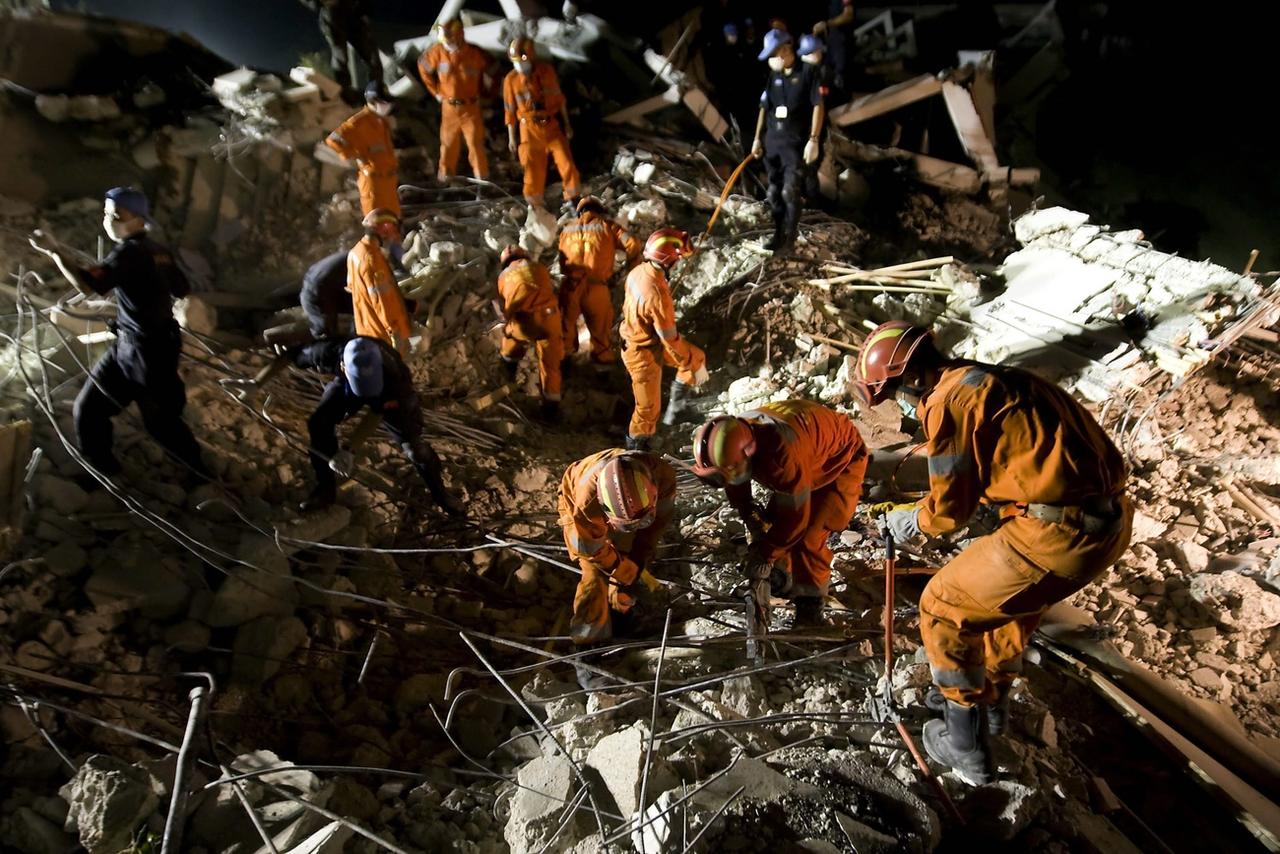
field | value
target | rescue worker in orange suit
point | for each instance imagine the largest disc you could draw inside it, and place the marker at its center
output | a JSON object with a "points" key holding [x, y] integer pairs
{"points": [[455, 73], [379, 309], [588, 247], [813, 461], [1007, 438], [142, 364], [614, 507], [532, 314], [650, 339], [535, 105], [365, 140], [369, 374]]}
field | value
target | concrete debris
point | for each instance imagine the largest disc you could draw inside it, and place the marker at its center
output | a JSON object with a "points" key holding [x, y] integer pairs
{"points": [[546, 784], [108, 800], [1236, 601]]}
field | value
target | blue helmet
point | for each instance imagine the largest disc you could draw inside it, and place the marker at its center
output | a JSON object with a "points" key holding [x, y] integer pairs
{"points": [[773, 40], [809, 43], [131, 200], [362, 365]]}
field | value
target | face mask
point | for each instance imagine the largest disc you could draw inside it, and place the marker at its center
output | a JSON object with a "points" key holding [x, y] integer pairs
{"points": [[730, 40], [382, 108], [524, 67], [777, 63], [113, 228], [451, 46], [812, 58]]}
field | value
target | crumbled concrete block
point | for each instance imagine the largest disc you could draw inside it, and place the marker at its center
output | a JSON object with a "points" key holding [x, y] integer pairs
{"points": [[546, 783], [109, 798]]}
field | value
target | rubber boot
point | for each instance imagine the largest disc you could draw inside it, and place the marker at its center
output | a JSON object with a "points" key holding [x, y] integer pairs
{"points": [[959, 741], [809, 612], [638, 443], [321, 497], [777, 240], [679, 405], [998, 712]]}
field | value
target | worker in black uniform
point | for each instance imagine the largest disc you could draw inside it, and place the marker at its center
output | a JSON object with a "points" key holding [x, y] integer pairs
{"points": [[813, 53], [142, 364], [787, 131], [324, 294], [837, 30], [346, 22], [370, 373]]}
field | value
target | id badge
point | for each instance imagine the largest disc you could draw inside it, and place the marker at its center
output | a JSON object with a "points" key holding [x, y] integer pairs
{"points": [[780, 111]]}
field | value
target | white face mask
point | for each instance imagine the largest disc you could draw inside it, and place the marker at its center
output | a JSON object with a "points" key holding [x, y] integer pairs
{"points": [[812, 58], [777, 63], [524, 67], [382, 108], [113, 229], [450, 46]]}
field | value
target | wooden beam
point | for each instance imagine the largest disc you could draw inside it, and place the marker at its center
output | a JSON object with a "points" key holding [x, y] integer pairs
{"points": [[643, 108], [886, 100], [968, 124], [946, 175]]}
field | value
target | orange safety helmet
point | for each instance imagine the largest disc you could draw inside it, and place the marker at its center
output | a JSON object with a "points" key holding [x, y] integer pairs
{"points": [[666, 246], [451, 30], [885, 356], [382, 222], [522, 49], [722, 450], [511, 253], [627, 493]]}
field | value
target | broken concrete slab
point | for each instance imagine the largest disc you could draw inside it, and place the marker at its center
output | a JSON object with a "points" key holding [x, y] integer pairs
{"points": [[1236, 601], [619, 759], [249, 593], [108, 799], [262, 645], [546, 784]]}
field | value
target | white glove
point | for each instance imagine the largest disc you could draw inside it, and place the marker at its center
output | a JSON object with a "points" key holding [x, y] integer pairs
{"points": [[903, 524], [700, 376], [811, 151], [757, 149], [343, 463]]}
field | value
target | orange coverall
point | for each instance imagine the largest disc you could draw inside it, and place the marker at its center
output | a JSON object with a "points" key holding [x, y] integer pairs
{"points": [[650, 340], [534, 102], [813, 460], [610, 560], [456, 77], [587, 249], [376, 301], [366, 138], [1004, 436], [533, 315]]}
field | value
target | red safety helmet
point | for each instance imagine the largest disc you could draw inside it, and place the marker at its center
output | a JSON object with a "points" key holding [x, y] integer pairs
{"points": [[383, 222], [885, 356], [451, 30], [511, 253], [522, 49], [666, 246], [722, 450], [627, 493], [590, 203]]}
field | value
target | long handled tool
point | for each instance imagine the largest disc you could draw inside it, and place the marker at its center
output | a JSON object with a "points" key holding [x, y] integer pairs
{"points": [[724, 195]]}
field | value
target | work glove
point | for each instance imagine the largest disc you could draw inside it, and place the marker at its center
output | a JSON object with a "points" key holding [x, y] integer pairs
{"points": [[622, 597], [757, 149], [700, 376], [343, 463], [811, 151], [886, 507], [512, 145], [903, 524], [439, 99]]}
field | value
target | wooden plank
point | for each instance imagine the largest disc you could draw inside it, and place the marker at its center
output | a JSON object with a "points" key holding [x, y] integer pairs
{"points": [[700, 105], [886, 100], [968, 124], [643, 108], [946, 175]]}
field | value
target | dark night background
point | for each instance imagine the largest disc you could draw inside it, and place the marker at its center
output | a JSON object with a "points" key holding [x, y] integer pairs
{"points": [[1165, 122]]}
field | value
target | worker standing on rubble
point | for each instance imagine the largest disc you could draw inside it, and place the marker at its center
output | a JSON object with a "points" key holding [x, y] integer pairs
{"points": [[369, 374], [1007, 438], [813, 461], [533, 103], [614, 507], [343, 23], [455, 73], [813, 53], [532, 315], [142, 364], [835, 29], [588, 247], [650, 339], [787, 131], [378, 306], [365, 139]]}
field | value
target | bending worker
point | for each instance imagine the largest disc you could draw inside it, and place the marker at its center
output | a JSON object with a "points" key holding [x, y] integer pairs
{"points": [[532, 315], [379, 308], [1005, 437], [365, 140], [812, 459], [455, 72], [324, 295], [588, 247], [650, 339], [369, 374], [614, 507], [534, 103], [142, 364]]}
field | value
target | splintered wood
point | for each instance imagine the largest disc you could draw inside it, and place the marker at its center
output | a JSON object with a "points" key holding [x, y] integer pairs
{"points": [[911, 277]]}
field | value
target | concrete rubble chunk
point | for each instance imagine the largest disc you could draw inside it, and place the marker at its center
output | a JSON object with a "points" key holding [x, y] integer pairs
{"points": [[139, 577], [1236, 601], [26, 830], [330, 839], [64, 496], [865, 839], [262, 645], [619, 759], [546, 784], [108, 799], [1004, 808], [248, 594]]}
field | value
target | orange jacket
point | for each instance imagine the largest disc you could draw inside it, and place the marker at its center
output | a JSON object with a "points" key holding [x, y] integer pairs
{"points": [[1005, 436], [533, 96], [376, 300], [366, 136], [649, 317], [801, 446], [458, 74], [588, 245], [525, 290], [587, 533]]}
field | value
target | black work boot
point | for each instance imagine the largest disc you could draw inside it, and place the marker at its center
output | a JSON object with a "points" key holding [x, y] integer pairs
{"points": [[432, 474], [998, 713], [321, 497], [679, 407], [510, 367], [809, 612], [638, 443], [776, 241], [959, 741]]}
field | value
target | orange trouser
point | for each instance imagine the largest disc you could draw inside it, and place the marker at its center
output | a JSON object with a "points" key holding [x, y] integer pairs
{"points": [[644, 364], [458, 122], [547, 332], [830, 509], [378, 190], [979, 612], [589, 297], [595, 598], [536, 142]]}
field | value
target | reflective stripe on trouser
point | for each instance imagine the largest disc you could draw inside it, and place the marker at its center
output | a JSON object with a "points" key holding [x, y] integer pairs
{"points": [[549, 344], [644, 364], [589, 298], [978, 613], [456, 123], [378, 190], [830, 509], [536, 143]]}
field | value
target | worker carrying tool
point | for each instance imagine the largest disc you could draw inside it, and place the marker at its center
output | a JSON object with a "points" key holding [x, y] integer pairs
{"points": [[142, 364], [379, 308], [588, 248], [365, 140], [532, 316], [812, 459], [534, 103], [787, 132], [456, 73], [369, 374], [343, 23], [1004, 437], [650, 339], [614, 508]]}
